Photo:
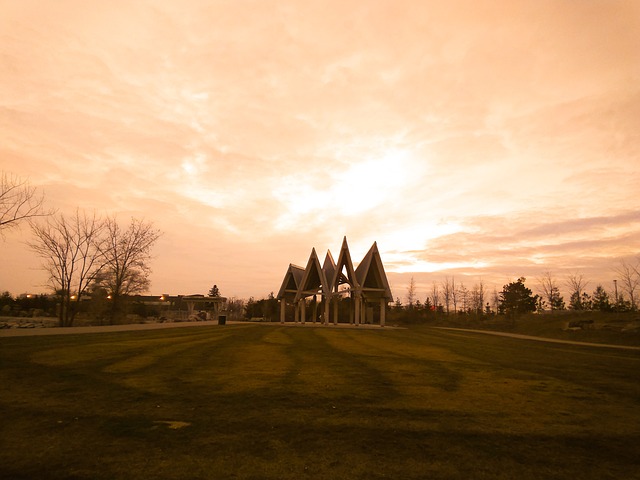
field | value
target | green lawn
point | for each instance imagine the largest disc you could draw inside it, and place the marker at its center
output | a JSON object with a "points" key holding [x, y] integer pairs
{"points": [[611, 328], [265, 401]]}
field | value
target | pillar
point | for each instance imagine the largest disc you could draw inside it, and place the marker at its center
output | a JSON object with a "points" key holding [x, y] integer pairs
{"points": [[327, 306], [315, 309], [283, 308], [383, 311], [303, 310]]}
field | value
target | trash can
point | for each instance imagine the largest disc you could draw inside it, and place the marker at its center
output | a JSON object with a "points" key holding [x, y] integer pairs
{"points": [[222, 319]]}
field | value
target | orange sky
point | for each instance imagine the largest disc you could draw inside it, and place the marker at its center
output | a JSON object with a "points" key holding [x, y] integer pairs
{"points": [[477, 139]]}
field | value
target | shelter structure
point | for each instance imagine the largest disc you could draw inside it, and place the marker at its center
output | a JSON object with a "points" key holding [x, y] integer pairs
{"points": [[323, 287], [213, 307]]}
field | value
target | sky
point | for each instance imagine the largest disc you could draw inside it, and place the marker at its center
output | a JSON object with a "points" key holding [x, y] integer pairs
{"points": [[484, 140]]}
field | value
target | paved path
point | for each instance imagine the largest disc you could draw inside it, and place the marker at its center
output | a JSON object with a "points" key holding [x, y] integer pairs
{"points": [[27, 332], [540, 339]]}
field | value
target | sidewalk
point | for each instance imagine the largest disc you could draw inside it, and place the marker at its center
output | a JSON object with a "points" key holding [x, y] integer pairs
{"points": [[27, 332], [540, 339], [31, 332]]}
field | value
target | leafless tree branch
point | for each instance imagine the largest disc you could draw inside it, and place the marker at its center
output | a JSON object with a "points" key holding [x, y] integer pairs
{"points": [[18, 201]]}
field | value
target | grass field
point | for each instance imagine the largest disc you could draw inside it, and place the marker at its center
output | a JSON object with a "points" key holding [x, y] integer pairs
{"points": [[611, 328], [264, 401]]}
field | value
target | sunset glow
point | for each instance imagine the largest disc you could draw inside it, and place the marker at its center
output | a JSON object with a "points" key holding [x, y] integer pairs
{"points": [[482, 140]]}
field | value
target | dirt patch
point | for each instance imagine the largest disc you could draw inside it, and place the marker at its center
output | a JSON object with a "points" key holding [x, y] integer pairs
{"points": [[173, 424]]}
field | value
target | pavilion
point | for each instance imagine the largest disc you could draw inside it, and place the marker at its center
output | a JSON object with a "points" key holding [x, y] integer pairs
{"points": [[366, 286]]}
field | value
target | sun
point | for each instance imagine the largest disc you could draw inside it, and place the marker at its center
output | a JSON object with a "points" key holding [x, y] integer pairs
{"points": [[371, 182], [359, 183]]}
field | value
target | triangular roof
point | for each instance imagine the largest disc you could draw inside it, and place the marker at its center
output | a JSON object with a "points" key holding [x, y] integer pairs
{"points": [[329, 268], [291, 282], [371, 275], [313, 280], [344, 262]]}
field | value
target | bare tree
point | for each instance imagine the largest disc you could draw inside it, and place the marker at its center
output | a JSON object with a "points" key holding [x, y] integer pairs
{"points": [[463, 292], [435, 295], [235, 307], [477, 297], [630, 279], [18, 201], [474, 296], [550, 291], [576, 283], [411, 292], [126, 256], [495, 299], [69, 247], [446, 293], [454, 294]]}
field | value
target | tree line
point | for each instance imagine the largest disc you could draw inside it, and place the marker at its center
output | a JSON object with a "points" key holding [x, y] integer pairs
{"points": [[450, 296]]}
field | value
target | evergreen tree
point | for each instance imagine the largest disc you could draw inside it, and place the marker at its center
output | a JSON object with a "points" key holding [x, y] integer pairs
{"points": [[600, 299], [398, 304], [214, 291], [580, 302], [428, 306], [516, 298], [574, 302], [557, 302]]}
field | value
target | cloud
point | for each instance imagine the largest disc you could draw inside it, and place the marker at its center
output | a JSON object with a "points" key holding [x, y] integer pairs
{"points": [[507, 244], [462, 136]]}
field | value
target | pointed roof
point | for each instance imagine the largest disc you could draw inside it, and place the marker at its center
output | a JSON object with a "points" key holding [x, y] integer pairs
{"points": [[313, 279], [329, 267], [344, 263], [291, 282], [371, 275]]}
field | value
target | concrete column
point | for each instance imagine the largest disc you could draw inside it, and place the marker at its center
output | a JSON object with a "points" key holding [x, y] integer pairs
{"points": [[356, 313], [303, 310], [327, 307], [283, 308], [315, 309], [383, 311]]}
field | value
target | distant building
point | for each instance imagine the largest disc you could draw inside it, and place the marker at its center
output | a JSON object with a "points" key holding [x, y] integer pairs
{"points": [[185, 305]]}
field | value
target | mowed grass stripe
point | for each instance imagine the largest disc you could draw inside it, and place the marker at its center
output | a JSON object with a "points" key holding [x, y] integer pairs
{"points": [[293, 402], [591, 368]]}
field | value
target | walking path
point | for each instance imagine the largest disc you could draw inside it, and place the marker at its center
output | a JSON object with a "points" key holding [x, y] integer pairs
{"points": [[29, 332], [541, 339]]}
